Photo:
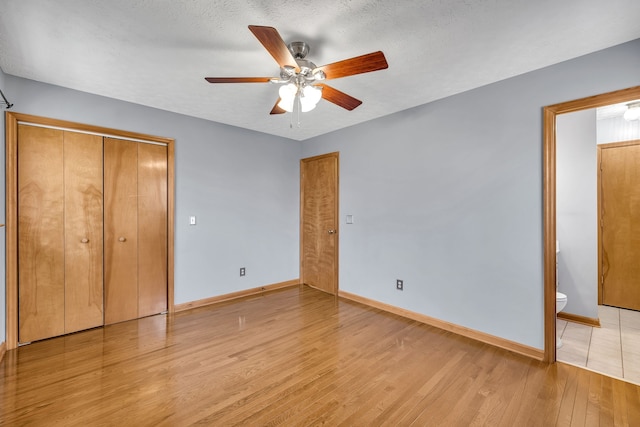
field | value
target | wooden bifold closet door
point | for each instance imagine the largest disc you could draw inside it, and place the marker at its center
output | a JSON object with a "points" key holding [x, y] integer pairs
{"points": [[83, 231], [92, 231], [60, 232], [135, 229]]}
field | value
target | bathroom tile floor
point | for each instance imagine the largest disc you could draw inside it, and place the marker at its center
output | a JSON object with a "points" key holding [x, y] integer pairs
{"points": [[613, 349]]}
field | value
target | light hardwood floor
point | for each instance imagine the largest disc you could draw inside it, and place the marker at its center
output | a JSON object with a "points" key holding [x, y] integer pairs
{"points": [[293, 357]]}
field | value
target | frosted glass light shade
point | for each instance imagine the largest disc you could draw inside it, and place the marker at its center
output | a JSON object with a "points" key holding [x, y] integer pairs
{"points": [[287, 96], [313, 93], [310, 97]]}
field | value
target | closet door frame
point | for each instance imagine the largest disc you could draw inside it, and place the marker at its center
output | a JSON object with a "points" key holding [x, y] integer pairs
{"points": [[12, 120]]}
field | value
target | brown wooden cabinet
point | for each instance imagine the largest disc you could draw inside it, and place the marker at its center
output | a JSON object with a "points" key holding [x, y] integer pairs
{"points": [[92, 231]]}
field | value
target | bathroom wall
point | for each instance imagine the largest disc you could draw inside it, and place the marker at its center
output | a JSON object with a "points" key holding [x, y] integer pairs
{"points": [[616, 129], [576, 211]]}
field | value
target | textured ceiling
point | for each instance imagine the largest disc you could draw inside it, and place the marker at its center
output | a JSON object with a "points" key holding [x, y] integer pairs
{"points": [[157, 52]]}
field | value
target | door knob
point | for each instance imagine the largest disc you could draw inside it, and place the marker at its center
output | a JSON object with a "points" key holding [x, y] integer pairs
{"points": [[85, 240], [331, 231], [122, 239]]}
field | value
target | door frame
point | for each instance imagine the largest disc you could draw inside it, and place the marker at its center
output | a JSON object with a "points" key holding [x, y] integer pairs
{"points": [[336, 213], [611, 145], [549, 199], [12, 120]]}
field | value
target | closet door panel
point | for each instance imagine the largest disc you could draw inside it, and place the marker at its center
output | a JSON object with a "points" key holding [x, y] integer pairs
{"points": [[83, 231], [40, 233], [152, 229], [121, 230]]}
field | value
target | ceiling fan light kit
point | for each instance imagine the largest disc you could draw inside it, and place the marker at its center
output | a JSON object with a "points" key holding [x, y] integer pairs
{"points": [[298, 90], [633, 111], [307, 96], [300, 78]]}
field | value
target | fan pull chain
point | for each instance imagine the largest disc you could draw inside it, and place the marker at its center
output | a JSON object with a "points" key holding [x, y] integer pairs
{"points": [[297, 107]]}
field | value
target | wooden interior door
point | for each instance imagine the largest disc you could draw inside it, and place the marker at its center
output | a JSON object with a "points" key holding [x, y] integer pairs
{"points": [[40, 233], [152, 229], [319, 222], [83, 231], [120, 230], [620, 222]]}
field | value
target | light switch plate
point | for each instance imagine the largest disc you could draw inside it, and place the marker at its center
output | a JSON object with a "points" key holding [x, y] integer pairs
{"points": [[192, 220], [349, 219]]}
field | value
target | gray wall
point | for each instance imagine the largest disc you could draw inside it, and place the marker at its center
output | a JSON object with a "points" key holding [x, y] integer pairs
{"points": [[448, 197], [576, 211], [242, 186]]}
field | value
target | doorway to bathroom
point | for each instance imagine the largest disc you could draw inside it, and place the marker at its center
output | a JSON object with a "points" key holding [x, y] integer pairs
{"points": [[591, 335], [551, 114]]}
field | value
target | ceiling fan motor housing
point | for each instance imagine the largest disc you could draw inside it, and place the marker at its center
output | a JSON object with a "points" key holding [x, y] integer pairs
{"points": [[299, 50]]}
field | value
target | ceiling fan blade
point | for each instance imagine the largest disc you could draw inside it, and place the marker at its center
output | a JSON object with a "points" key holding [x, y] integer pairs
{"points": [[360, 64], [271, 40], [276, 109], [238, 79], [339, 98]]}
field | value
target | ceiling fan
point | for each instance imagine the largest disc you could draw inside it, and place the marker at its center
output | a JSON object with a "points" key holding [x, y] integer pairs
{"points": [[300, 78]]}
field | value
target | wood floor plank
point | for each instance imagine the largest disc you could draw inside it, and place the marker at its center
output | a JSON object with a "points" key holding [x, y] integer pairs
{"points": [[291, 357], [632, 394], [593, 403], [579, 415], [568, 399], [472, 399], [620, 405], [606, 405], [549, 400], [523, 412], [499, 388]]}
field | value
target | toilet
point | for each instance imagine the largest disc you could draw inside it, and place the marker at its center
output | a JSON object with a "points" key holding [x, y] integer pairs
{"points": [[561, 302]]}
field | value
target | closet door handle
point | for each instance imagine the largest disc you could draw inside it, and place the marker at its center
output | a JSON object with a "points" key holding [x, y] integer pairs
{"points": [[122, 239], [85, 240]]}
